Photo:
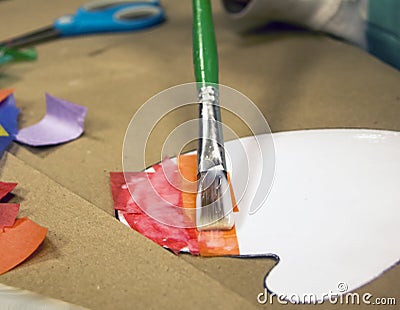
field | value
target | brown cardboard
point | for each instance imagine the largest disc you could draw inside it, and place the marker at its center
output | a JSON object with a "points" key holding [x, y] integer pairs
{"points": [[297, 79], [90, 259]]}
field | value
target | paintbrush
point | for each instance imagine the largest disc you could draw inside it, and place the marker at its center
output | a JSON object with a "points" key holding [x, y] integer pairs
{"points": [[213, 201]]}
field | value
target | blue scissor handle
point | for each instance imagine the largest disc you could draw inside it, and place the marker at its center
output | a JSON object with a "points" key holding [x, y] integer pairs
{"points": [[110, 16]]}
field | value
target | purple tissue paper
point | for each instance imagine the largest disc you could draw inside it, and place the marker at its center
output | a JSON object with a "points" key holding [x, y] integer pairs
{"points": [[63, 122]]}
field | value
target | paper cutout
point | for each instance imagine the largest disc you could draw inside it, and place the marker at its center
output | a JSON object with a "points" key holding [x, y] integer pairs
{"points": [[4, 93], [335, 195], [5, 188], [18, 238], [19, 242], [8, 211], [8, 214], [63, 122], [332, 215], [16, 55], [176, 239], [205, 243], [3, 132], [8, 119]]}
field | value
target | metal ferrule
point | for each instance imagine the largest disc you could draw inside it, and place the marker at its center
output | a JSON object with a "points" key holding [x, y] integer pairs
{"points": [[210, 152]]}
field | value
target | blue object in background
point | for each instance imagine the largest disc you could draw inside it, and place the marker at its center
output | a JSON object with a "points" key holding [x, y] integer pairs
{"points": [[9, 121], [110, 16], [99, 16]]}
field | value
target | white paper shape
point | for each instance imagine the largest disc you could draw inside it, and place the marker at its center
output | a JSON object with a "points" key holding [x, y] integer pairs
{"points": [[333, 213], [332, 216]]}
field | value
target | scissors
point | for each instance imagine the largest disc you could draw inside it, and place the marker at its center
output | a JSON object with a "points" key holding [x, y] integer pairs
{"points": [[96, 17]]}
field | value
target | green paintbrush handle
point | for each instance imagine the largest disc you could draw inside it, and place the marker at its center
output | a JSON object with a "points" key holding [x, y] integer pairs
{"points": [[205, 55]]}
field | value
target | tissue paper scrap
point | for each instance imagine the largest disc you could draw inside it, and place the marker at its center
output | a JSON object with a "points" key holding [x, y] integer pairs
{"points": [[173, 238], [63, 122], [8, 214], [19, 238], [3, 132], [17, 243], [8, 211], [16, 55], [8, 119], [4, 93], [5, 188], [182, 237]]}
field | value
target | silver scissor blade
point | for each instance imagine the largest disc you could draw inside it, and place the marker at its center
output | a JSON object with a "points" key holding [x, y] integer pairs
{"points": [[32, 38]]}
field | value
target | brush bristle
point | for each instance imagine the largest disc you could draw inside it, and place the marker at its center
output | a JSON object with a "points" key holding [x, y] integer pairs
{"points": [[214, 202]]}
